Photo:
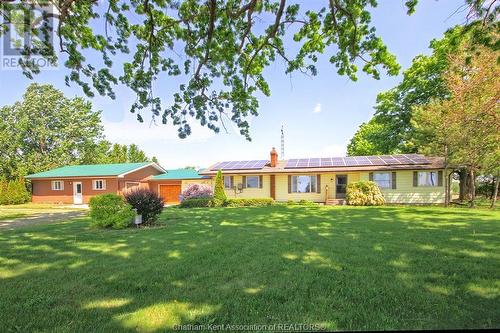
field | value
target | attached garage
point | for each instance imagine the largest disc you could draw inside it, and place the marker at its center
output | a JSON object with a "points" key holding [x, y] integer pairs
{"points": [[170, 192], [171, 184]]}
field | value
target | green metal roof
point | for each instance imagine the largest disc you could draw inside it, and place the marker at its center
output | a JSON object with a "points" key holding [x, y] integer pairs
{"points": [[178, 174], [89, 170]]}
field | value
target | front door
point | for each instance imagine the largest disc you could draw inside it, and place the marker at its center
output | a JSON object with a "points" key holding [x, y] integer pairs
{"points": [[340, 186], [77, 193]]}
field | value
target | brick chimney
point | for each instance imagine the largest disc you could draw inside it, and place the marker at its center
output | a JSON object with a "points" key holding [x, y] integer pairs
{"points": [[274, 158]]}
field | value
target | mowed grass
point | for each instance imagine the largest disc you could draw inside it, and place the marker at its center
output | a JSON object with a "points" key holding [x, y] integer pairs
{"points": [[342, 267], [9, 212]]}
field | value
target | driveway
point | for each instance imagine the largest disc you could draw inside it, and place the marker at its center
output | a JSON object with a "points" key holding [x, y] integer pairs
{"points": [[40, 218]]}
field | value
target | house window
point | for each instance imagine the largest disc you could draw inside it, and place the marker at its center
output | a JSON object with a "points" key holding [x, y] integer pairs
{"points": [[57, 185], [303, 184], [383, 179], [99, 184], [227, 182], [427, 178], [252, 182]]}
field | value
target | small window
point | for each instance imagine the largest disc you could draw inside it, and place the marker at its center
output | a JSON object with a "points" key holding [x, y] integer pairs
{"points": [[57, 185], [383, 179], [303, 184], [427, 178], [227, 182], [99, 184], [252, 182]]}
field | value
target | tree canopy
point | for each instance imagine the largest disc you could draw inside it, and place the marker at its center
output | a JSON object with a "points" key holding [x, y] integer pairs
{"points": [[219, 48], [47, 130], [465, 126], [391, 129], [117, 153]]}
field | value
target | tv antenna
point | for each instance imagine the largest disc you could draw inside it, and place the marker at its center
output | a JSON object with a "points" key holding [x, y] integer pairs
{"points": [[282, 143]]}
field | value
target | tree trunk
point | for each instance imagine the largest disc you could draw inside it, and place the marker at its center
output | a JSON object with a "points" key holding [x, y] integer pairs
{"points": [[446, 186], [448, 190], [495, 192], [472, 187], [493, 187], [464, 184]]}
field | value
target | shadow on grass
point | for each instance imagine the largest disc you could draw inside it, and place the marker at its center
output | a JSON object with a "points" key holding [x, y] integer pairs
{"points": [[342, 267]]}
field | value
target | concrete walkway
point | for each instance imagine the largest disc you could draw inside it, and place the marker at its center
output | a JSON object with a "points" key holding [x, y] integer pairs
{"points": [[40, 218]]}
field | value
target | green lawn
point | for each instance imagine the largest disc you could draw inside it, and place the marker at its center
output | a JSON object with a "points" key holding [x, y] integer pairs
{"points": [[8, 212], [344, 268]]}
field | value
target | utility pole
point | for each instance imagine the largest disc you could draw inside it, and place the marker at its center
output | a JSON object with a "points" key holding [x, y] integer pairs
{"points": [[282, 143]]}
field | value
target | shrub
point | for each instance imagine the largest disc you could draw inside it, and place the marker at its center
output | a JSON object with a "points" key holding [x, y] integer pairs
{"points": [[3, 191], [219, 192], [209, 202], [110, 211], [304, 202], [13, 192], [197, 191], [257, 202], [218, 202], [148, 203], [197, 202], [364, 193]]}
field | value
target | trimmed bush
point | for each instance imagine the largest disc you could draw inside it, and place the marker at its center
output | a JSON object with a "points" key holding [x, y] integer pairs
{"points": [[218, 202], [110, 211], [209, 202], [197, 202], [13, 192], [257, 202], [302, 202], [219, 192], [364, 193], [148, 203], [194, 191]]}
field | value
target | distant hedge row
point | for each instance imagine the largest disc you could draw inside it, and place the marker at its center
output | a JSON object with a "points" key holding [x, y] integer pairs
{"points": [[13, 192]]}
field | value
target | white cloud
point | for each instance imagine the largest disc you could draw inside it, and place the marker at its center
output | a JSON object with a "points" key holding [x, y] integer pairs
{"points": [[317, 108]]}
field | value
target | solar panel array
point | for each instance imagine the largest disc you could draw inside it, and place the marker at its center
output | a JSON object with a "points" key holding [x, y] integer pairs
{"points": [[240, 165], [356, 161]]}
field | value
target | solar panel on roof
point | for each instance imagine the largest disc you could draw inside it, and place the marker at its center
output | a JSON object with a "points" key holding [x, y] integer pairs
{"points": [[338, 161], [351, 161], [292, 163], [389, 160], [240, 165], [363, 160], [326, 161]]}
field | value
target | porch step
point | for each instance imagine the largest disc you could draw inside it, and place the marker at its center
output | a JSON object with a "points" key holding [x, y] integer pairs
{"points": [[334, 202]]}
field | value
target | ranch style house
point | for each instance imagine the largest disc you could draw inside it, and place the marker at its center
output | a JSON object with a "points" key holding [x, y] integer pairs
{"points": [[403, 179]]}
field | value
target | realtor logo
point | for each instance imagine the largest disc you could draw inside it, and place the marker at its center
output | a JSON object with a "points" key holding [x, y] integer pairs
{"points": [[27, 33]]}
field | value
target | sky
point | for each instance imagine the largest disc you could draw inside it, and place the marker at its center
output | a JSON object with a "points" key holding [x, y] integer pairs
{"points": [[319, 114]]}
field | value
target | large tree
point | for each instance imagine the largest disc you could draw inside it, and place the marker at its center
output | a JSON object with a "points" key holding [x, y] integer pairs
{"points": [[391, 130], [117, 153], [466, 126], [46, 130], [219, 48]]}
